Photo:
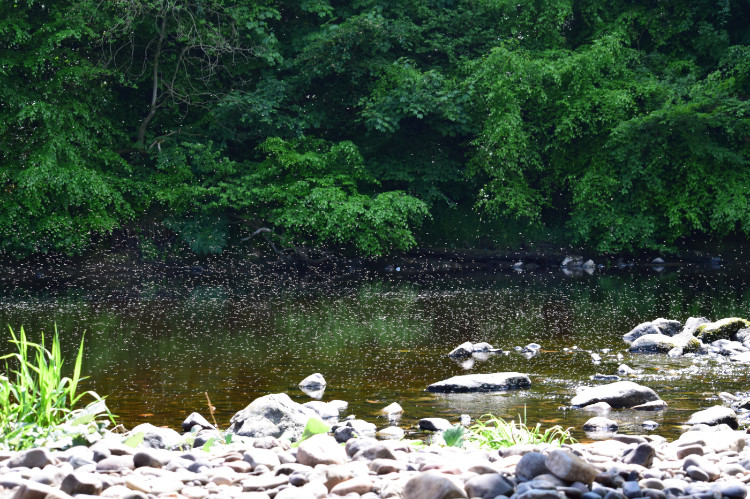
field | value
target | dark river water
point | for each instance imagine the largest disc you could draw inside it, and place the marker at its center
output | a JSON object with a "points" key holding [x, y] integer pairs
{"points": [[156, 342]]}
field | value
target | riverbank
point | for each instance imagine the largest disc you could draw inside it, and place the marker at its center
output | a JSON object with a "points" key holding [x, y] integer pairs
{"points": [[706, 462]]}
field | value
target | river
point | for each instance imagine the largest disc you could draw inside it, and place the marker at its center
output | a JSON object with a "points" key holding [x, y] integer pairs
{"points": [[156, 342]]}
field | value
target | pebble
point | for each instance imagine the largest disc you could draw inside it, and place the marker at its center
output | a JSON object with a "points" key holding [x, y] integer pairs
{"points": [[704, 464]]}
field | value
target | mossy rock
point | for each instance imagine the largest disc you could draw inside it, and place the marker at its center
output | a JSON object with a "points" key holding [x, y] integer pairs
{"points": [[660, 343], [724, 329]]}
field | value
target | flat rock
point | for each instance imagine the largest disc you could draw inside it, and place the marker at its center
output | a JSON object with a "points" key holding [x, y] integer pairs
{"points": [[434, 424], [482, 383], [715, 415], [599, 423], [320, 449], [620, 394], [570, 467]]}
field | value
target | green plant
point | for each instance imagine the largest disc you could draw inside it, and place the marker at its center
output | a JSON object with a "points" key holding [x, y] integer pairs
{"points": [[454, 437], [491, 432], [37, 402], [314, 426]]}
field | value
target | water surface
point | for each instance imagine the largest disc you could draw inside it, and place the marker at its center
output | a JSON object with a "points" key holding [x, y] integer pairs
{"points": [[157, 342]]}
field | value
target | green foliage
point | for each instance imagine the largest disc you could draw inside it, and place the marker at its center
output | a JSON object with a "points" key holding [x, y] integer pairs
{"points": [[37, 402], [344, 125], [491, 432], [310, 192], [454, 437], [314, 426]]}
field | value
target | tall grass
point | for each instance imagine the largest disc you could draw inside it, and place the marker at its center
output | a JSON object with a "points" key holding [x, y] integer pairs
{"points": [[491, 432], [37, 402]]}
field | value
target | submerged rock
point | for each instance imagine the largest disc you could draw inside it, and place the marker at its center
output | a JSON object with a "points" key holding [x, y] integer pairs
{"points": [[482, 383], [620, 394], [600, 423]]}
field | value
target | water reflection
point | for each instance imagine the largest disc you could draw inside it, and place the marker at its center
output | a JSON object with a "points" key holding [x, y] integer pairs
{"points": [[156, 343]]}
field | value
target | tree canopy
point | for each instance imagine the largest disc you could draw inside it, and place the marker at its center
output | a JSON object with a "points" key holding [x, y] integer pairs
{"points": [[208, 125]]}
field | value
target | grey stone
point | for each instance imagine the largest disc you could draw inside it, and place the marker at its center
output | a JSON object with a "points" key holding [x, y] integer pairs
{"points": [[530, 466], [195, 419], [620, 394], [570, 467], [599, 423], [315, 381], [36, 490], [640, 330], [732, 489], [116, 463], [362, 428], [539, 494], [482, 382], [323, 409], [697, 473], [461, 351], [711, 470], [154, 458], [32, 458], [344, 434], [265, 457], [433, 485], [434, 424], [376, 451], [356, 445], [631, 489], [642, 455], [82, 483], [488, 486], [273, 415], [714, 416], [661, 343], [156, 437], [687, 450], [320, 449]]}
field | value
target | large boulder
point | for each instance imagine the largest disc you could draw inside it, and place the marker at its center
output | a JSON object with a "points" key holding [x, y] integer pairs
{"points": [[482, 383], [661, 343], [274, 415], [719, 330], [692, 324], [657, 326], [620, 394]]}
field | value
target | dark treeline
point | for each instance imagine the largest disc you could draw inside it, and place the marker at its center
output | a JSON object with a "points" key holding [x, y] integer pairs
{"points": [[372, 126]]}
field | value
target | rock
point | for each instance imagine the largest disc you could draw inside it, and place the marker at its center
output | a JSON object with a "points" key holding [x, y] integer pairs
{"points": [[572, 261], [642, 455], [625, 370], [357, 485], [599, 407], [362, 427], [391, 433], [723, 329], [115, 463], [156, 437], [393, 408], [320, 449], [482, 382], [313, 382], [641, 330], [434, 424], [714, 416], [600, 424], [530, 466], [699, 468], [35, 490], [570, 467], [32, 458], [324, 410], [194, 420], [154, 458], [654, 405], [650, 425], [620, 394], [660, 343], [273, 415], [488, 486], [483, 347], [589, 264], [463, 350], [433, 485], [667, 326], [344, 434], [261, 457], [82, 483], [692, 324]]}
